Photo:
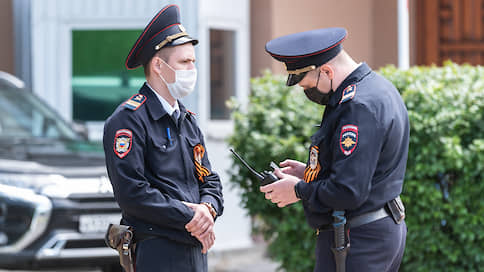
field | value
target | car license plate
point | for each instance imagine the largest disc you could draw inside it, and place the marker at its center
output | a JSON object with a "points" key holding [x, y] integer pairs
{"points": [[95, 223]]}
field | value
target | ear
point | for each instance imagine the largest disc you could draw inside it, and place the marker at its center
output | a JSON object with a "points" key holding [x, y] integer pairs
{"points": [[155, 64], [328, 70]]}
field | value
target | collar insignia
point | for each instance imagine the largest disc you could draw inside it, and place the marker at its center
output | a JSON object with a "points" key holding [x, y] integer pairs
{"points": [[348, 93], [135, 102]]}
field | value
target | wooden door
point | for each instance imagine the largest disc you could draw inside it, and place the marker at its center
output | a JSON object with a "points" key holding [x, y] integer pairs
{"points": [[450, 29]]}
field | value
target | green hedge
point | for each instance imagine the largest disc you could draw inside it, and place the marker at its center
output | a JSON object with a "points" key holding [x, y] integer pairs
{"points": [[443, 187]]}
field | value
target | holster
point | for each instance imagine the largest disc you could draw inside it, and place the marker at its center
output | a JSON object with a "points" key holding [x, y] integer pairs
{"points": [[397, 210], [120, 238], [341, 240]]}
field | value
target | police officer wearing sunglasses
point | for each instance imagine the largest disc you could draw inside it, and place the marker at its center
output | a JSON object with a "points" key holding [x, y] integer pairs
{"points": [[351, 183]]}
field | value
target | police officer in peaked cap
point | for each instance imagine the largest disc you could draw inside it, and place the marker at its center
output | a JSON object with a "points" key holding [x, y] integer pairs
{"points": [[156, 156], [351, 182]]}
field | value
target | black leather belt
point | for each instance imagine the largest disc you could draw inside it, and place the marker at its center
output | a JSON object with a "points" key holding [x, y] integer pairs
{"points": [[367, 218], [360, 220]]}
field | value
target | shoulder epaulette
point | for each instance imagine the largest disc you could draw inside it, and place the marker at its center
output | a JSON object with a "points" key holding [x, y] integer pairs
{"points": [[135, 102], [348, 93]]}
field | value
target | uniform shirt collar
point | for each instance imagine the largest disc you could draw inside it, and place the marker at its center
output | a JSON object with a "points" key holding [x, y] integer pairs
{"points": [[168, 108], [358, 74], [155, 106]]}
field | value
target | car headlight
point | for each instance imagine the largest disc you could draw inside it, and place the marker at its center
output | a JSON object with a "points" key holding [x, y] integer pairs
{"points": [[57, 186], [38, 183]]}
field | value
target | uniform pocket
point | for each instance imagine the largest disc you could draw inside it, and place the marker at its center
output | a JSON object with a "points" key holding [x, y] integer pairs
{"points": [[198, 152], [163, 145], [164, 158], [192, 142]]}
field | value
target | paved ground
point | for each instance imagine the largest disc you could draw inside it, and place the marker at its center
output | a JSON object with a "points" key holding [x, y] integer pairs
{"points": [[239, 260], [253, 259]]}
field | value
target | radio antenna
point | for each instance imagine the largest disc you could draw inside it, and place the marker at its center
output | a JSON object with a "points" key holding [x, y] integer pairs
{"points": [[259, 176]]}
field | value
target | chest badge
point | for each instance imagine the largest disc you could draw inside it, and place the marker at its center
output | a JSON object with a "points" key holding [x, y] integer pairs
{"points": [[348, 93], [348, 139], [122, 142], [200, 170], [313, 168]]}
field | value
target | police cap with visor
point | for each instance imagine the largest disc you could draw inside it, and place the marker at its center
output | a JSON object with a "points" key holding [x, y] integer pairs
{"points": [[164, 30], [304, 51]]}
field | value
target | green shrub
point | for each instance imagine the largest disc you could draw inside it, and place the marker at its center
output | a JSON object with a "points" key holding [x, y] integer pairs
{"points": [[443, 187]]}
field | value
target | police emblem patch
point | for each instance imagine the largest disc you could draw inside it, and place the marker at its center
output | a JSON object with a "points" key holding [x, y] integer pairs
{"points": [[348, 93], [313, 168], [348, 139], [200, 170], [123, 142]]}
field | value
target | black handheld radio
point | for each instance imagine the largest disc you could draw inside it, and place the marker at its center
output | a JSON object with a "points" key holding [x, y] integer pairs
{"points": [[265, 177]]}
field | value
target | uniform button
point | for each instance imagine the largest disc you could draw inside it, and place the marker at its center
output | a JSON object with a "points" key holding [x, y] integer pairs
{"points": [[150, 228]]}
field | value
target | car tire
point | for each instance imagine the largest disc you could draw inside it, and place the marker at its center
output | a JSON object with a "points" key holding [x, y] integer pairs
{"points": [[112, 268]]}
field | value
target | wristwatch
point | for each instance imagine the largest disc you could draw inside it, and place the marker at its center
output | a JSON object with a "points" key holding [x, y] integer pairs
{"points": [[212, 211]]}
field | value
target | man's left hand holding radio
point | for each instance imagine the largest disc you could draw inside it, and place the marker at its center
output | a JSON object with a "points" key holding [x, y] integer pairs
{"points": [[282, 192]]}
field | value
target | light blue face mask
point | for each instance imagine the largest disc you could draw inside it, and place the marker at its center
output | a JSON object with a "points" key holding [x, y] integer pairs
{"points": [[184, 84]]}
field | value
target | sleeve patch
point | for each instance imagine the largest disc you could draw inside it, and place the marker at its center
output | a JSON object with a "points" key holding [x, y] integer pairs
{"points": [[348, 139], [122, 142], [348, 93], [135, 102]]}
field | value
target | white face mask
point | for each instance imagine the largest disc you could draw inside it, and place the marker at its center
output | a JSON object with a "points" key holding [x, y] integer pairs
{"points": [[184, 84]]}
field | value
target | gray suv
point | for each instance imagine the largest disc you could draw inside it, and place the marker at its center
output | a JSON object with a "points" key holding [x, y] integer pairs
{"points": [[55, 198]]}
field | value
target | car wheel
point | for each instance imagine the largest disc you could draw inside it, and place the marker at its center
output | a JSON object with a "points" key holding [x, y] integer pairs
{"points": [[112, 268]]}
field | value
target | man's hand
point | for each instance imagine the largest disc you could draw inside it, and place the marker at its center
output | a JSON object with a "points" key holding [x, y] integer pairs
{"points": [[282, 191], [293, 168], [201, 225], [207, 240]]}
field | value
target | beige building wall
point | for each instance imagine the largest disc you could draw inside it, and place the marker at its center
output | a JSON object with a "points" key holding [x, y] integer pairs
{"points": [[371, 24], [6, 32]]}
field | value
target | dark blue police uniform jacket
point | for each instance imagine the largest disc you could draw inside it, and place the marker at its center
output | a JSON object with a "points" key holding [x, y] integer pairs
{"points": [[357, 163], [152, 172], [361, 149]]}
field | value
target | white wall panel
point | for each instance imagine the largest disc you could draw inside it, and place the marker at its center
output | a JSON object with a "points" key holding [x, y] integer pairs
{"points": [[52, 22]]}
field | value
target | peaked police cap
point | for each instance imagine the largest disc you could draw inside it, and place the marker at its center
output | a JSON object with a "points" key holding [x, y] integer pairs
{"points": [[163, 30], [304, 51]]}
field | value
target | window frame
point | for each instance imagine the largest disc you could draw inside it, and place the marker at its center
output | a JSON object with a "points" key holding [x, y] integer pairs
{"points": [[221, 129], [48, 64]]}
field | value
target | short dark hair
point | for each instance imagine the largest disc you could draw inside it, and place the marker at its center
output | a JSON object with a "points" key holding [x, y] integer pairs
{"points": [[161, 54]]}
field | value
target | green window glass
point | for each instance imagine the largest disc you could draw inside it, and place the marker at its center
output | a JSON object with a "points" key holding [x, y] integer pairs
{"points": [[100, 81]]}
